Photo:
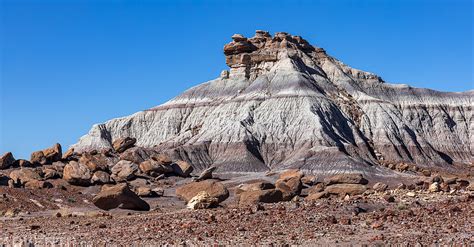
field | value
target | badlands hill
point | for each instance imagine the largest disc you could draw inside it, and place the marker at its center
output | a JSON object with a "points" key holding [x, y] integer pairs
{"points": [[287, 104]]}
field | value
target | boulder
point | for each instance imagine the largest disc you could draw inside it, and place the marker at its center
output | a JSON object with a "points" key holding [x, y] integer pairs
{"points": [[38, 158], [143, 191], [119, 196], [4, 179], [346, 179], [291, 173], [97, 162], [101, 177], [434, 187], [77, 174], [213, 188], [6, 160], [123, 144], [316, 196], [380, 187], [37, 184], [53, 153], [22, 163], [50, 173], [202, 201], [124, 170], [136, 155], [24, 175], [182, 168], [69, 154], [253, 197], [206, 174], [47, 156], [162, 158], [290, 187], [254, 186], [345, 189], [153, 167], [316, 188], [309, 180]]}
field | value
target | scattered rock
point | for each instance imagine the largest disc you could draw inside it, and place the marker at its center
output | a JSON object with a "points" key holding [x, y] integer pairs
{"points": [[316, 188], [346, 189], [389, 198], [182, 168], [101, 177], [316, 196], [380, 187], [124, 170], [22, 163], [47, 156], [97, 162], [254, 186], [38, 158], [213, 188], [291, 173], [289, 186], [410, 194], [6, 160], [253, 197], [202, 201], [49, 173], [77, 174], [154, 167], [346, 179], [119, 196], [36, 184], [69, 154], [309, 180], [434, 187], [123, 144], [206, 174], [24, 175]]}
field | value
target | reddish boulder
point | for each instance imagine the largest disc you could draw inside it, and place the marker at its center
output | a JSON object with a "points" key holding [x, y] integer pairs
{"points": [[213, 188], [119, 196], [346, 179], [123, 144], [260, 196]]}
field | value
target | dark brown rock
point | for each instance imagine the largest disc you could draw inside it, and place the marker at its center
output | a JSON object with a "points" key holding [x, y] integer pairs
{"points": [[182, 168], [346, 179], [101, 177], [290, 187], [119, 196], [213, 188], [380, 187], [6, 160], [37, 184], [24, 175], [77, 174], [123, 144], [346, 189], [155, 167], [124, 170], [98, 162], [260, 196], [254, 186]]}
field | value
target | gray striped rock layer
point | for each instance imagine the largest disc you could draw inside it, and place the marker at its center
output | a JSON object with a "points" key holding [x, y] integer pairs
{"points": [[285, 103]]}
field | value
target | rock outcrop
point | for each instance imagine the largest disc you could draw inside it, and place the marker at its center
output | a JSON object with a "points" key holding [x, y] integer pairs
{"points": [[287, 104]]}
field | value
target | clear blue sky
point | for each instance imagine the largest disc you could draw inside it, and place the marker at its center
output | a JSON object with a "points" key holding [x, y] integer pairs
{"points": [[67, 66]]}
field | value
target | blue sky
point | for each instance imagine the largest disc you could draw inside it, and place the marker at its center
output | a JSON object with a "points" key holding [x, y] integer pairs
{"points": [[66, 65]]}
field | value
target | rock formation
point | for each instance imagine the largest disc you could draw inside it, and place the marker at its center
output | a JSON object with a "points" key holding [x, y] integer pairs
{"points": [[287, 104]]}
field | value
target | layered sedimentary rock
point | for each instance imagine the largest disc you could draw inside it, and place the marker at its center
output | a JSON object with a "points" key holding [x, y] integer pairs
{"points": [[285, 103]]}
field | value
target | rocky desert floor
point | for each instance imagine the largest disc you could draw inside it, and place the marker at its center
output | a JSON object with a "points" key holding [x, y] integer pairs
{"points": [[66, 216]]}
